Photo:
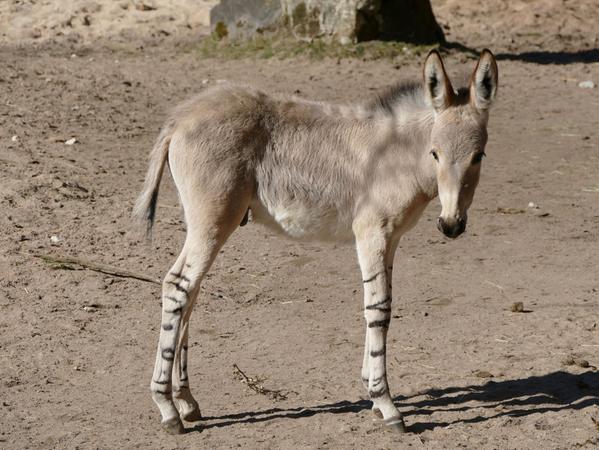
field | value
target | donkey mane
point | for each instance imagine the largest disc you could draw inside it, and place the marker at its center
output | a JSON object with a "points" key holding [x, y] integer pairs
{"points": [[387, 100]]}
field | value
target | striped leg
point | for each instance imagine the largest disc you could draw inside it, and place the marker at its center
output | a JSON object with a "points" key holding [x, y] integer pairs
{"points": [[179, 291], [189, 409], [180, 286], [375, 256], [389, 256], [209, 224]]}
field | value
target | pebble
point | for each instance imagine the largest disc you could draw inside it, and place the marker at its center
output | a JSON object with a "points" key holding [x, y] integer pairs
{"points": [[483, 374], [71, 141], [517, 307], [573, 360], [532, 205], [55, 239], [587, 84], [15, 138]]}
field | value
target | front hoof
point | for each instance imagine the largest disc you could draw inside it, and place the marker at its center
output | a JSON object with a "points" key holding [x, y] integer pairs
{"points": [[395, 424], [192, 416], [173, 426]]}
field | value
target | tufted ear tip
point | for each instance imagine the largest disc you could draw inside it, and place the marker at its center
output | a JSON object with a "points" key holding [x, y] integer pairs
{"points": [[484, 81], [437, 86]]}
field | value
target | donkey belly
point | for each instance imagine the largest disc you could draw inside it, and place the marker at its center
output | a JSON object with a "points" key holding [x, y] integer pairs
{"points": [[299, 220]]}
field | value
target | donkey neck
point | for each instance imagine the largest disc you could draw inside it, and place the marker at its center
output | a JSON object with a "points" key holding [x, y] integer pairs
{"points": [[404, 131]]}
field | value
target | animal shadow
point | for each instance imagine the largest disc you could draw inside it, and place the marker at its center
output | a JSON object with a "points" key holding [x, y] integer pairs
{"points": [[554, 391]]}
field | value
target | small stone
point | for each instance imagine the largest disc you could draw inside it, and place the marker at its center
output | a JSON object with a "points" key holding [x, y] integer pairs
{"points": [[15, 138], [580, 362], [71, 141], [532, 205], [517, 307], [587, 84], [205, 81], [574, 360], [483, 374], [55, 239]]}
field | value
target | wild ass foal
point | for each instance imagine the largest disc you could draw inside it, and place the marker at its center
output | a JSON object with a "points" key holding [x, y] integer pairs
{"points": [[314, 170]]}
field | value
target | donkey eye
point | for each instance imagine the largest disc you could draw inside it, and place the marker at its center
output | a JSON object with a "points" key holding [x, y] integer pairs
{"points": [[434, 153], [478, 158]]}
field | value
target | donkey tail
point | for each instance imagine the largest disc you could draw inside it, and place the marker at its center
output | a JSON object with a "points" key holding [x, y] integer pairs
{"points": [[145, 206]]}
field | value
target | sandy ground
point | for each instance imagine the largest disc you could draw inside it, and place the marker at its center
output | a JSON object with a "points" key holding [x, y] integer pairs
{"points": [[77, 347]]}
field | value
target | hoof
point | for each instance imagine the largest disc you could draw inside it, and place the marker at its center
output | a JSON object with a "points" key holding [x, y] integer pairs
{"points": [[192, 416], [395, 424], [173, 426]]}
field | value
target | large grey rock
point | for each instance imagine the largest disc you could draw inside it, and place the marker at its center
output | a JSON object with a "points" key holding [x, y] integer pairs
{"points": [[344, 20], [244, 18]]}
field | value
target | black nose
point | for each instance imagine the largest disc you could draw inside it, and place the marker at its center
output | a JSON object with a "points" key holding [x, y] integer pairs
{"points": [[452, 229]]}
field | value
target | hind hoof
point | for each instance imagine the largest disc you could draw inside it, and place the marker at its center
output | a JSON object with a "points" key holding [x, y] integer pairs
{"points": [[173, 426], [395, 424]]}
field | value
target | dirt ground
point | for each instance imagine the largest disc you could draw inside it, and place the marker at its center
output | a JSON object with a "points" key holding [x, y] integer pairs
{"points": [[77, 347]]}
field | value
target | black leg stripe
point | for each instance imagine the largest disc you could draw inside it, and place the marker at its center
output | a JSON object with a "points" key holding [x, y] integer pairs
{"points": [[378, 308], [377, 353], [372, 278], [378, 305], [379, 323], [379, 393], [376, 381], [157, 391], [168, 354], [174, 311], [180, 276], [160, 382], [173, 299], [178, 286], [167, 326]]}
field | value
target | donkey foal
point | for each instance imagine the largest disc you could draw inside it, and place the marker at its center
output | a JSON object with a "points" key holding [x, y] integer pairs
{"points": [[313, 170]]}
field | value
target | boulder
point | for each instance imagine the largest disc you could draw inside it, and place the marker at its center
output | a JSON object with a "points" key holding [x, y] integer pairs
{"points": [[344, 20], [244, 18]]}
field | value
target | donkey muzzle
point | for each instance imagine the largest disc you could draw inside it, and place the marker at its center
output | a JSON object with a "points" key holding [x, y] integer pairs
{"points": [[452, 228]]}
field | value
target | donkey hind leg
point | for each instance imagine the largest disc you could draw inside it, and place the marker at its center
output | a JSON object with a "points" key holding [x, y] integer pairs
{"points": [[205, 237], [375, 260], [189, 409]]}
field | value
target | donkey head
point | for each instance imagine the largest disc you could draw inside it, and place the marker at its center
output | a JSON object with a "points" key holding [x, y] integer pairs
{"points": [[459, 135]]}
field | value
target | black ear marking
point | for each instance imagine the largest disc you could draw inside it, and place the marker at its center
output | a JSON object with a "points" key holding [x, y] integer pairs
{"points": [[433, 85], [438, 88], [486, 86], [483, 84]]}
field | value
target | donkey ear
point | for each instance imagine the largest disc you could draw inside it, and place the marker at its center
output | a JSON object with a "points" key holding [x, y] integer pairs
{"points": [[483, 83], [437, 86]]}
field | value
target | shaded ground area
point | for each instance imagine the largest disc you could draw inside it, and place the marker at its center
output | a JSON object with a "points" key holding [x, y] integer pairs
{"points": [[77, 347]]}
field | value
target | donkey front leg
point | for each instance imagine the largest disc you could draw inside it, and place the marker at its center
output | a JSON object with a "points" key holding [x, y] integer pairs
{"points": [[375, 250]]}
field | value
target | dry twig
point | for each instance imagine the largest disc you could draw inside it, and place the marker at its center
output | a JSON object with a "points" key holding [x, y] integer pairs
{"points": [[254, 385], [72, 263]]}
